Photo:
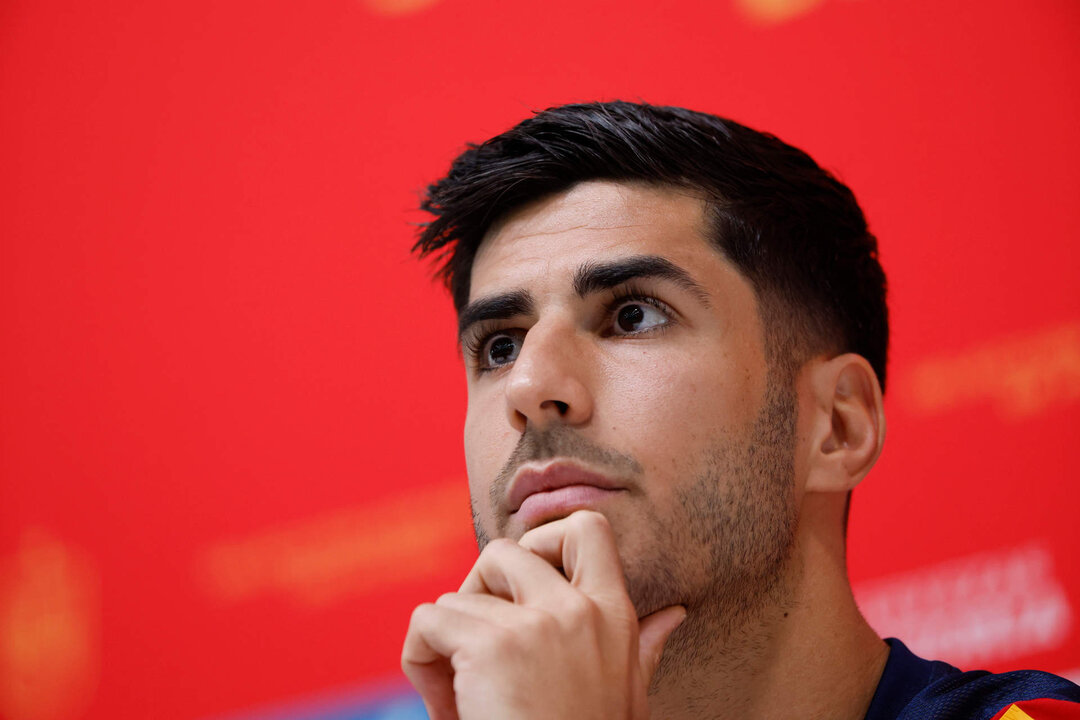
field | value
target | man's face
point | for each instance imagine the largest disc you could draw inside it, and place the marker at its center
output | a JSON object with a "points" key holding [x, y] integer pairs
{"points": [[616, 362]]}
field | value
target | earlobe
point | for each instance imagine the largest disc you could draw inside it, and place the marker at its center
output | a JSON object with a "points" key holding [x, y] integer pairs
{"points": [[848, 423]]}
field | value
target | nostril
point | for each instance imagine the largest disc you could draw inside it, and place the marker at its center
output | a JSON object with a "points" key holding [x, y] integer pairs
{"points": [[562, 407]]}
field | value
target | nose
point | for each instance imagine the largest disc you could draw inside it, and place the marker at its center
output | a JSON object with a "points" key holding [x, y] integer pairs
{"points": [[548, 382]]}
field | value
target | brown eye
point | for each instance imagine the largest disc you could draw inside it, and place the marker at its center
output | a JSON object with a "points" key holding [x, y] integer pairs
{"points": [[634, 317], [630, 316], [501, 350]]}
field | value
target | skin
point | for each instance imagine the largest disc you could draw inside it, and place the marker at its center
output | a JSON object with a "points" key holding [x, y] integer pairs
{"points": [[726, 517]]}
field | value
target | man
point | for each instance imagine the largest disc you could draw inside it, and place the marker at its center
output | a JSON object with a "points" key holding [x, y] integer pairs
{"points": [[675, 334]]}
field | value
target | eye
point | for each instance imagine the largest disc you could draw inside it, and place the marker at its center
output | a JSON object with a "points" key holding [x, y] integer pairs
{"points": [[499, 349], [634, 316]]}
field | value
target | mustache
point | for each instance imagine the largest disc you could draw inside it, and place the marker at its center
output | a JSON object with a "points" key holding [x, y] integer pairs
{"points": [[563, 442]]}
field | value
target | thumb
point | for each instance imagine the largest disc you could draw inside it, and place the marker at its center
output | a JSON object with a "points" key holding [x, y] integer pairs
{"points": [[653, 633]]}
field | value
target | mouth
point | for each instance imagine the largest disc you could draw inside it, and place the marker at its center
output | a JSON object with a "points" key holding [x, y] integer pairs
{"points": [[554, 490]]}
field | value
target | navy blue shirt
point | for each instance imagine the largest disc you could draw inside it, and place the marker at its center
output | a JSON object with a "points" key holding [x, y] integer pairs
{"points": [[913, 689]]}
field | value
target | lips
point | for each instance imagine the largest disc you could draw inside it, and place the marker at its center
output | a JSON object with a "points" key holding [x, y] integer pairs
{"points": [[547, 489]]}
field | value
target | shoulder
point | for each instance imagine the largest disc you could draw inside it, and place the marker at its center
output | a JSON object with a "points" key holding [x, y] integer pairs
{"points": [[912, 689], [979, 695]]}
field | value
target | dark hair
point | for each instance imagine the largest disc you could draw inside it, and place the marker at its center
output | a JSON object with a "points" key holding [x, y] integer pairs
{"points": [[793, 230]]}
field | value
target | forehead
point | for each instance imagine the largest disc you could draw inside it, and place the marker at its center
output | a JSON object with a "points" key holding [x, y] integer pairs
{"points": [[591, 221]]}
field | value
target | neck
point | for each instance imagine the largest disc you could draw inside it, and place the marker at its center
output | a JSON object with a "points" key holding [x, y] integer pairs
{"points": [[808, 655]]}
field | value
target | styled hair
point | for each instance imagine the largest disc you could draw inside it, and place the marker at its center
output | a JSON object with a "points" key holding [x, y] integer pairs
{"points": [[793, 230]]}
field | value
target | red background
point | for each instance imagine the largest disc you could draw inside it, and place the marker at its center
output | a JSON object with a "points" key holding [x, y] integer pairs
{"points": [[230, 401]]}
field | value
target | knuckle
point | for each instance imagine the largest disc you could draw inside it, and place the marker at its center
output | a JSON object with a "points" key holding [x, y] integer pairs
{"points": [[446, 599], [578, 607], [540, 624], [421, 614]]}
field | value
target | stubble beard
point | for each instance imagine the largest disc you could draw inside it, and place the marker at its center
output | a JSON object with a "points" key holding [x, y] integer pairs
{"points": [[732, 534], [724, 548]]}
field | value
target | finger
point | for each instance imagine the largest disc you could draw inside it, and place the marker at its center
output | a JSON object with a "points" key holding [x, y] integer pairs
{"points": [[653, 634], [434, 682], [508, 570], [583, 545], [435, 634], [482, 607]]}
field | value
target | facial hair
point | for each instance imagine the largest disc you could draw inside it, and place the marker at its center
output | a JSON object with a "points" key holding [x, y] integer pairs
{"points": [[721, 549], [731, 536], [555, 441]]}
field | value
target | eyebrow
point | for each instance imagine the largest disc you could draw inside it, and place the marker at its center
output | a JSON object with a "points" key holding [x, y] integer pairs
{"points": [[590, 278], [494, 307], [595, 277]]}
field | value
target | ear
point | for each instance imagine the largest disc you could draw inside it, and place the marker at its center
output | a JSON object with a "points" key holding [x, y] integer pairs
{"points": [[847, 422]]}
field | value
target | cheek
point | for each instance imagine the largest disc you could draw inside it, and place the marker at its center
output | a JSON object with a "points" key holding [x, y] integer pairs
{"points": [[675, 401], [487, 446]]}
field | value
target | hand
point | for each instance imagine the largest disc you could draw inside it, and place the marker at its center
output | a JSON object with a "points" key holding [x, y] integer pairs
{"points": [[522, 640]]}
